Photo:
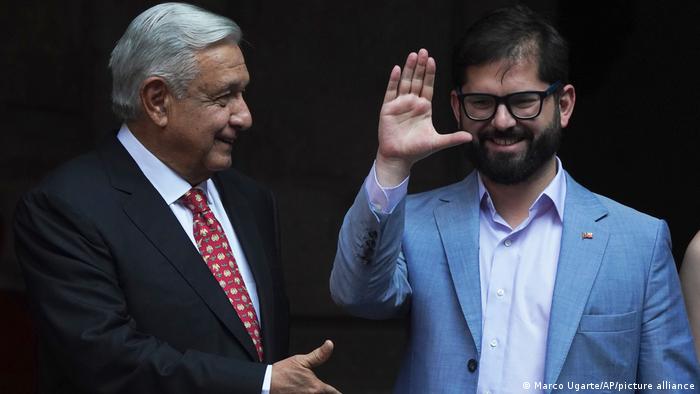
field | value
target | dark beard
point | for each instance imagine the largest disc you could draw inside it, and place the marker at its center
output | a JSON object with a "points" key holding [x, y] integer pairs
{"points": [[509, 169]]}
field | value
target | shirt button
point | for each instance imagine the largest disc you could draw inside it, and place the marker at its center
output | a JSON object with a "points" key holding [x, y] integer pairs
{"points": [[500, 292], [508, 242], [493, 343], [487, 392]]}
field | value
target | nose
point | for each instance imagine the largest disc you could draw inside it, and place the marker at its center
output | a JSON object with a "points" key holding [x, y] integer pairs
{"points": [[240, 115], [502, 120]]}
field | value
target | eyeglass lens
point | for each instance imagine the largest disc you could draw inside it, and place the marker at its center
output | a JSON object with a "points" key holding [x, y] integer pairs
{"points": [[522, 105]]}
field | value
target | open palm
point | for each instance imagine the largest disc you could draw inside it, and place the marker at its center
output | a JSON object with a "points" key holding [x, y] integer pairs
{"points": [[406, 131]]}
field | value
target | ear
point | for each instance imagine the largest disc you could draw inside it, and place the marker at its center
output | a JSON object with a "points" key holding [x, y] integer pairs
{"points": [[456, 106], [155, 99], [567, 100]]}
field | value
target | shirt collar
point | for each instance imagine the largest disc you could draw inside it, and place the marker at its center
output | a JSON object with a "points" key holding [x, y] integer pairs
{"points": [[167, 182], [554, 192]]}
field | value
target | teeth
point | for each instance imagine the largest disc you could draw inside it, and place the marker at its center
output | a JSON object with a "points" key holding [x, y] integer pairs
{"points": [[505, 141]]}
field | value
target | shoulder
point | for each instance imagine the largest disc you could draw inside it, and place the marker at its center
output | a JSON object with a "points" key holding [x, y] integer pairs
{"points": [[73, 197], [692, 253], [428, 200], [77, 180], [242, 183], [642, 234], [615, 214], [626, 215], [87, 176], [690, 273], [241, 189], [639, 236]]}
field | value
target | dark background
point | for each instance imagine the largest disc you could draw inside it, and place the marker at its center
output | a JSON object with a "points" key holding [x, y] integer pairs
{"points": [[318, 72]]}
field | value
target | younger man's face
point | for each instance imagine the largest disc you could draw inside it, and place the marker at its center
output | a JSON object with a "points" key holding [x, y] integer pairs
{"points": [[505, 149]]}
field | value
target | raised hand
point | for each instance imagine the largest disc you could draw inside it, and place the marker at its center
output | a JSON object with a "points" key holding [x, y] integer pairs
{"points": [[294, 375], [406, 131]]}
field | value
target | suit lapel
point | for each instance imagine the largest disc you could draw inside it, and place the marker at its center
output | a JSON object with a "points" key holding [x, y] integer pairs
{"points": [[458, 223], [579, 260], [151, 215]]}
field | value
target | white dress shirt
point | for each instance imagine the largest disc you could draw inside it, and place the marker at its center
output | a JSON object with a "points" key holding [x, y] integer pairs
{"points": [[517, 272], [171, 187]]}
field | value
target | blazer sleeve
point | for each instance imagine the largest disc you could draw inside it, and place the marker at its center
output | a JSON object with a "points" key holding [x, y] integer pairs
{"points": [[369, 277], [666, 350], [82, 317]]}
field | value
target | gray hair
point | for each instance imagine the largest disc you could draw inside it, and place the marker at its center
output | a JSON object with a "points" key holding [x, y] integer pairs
{"points": [[163, 41]]}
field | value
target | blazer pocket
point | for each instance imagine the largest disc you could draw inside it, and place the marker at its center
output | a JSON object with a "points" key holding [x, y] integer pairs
{"points": [[608, 323]]}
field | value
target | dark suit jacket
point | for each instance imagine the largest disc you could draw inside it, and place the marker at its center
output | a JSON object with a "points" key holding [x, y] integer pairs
{"points": [[123, 301]]}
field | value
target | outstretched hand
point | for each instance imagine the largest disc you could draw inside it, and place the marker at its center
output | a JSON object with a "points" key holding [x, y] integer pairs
{"points": [[406, 131], [295, 375]]}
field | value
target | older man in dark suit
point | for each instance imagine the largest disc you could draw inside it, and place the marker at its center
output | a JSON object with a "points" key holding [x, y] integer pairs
{"points": [[153, 267]]}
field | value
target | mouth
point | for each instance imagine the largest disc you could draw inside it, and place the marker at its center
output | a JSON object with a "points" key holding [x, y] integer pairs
{"points": [[505, 144], [226, 140], [506, 141]]}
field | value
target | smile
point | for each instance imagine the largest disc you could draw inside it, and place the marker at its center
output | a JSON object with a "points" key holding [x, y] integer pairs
{"points": [[226, 140], [506, 141]]}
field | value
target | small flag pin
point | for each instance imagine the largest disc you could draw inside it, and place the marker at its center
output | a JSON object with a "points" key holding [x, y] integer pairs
{"points": [[586, 235]]}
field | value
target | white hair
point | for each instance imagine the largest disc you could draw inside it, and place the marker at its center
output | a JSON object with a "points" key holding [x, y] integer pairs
{"points": [[163, 41]]}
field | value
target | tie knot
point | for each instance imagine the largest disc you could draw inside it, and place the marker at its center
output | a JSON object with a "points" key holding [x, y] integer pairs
{"points": [[195, 200]]}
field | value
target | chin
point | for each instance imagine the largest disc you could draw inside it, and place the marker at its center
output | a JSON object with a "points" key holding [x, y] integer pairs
{"points": [[219, 164], [220, 167]]}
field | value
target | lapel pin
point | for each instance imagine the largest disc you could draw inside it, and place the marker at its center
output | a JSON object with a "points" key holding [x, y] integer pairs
{"points": [[586, 235]]}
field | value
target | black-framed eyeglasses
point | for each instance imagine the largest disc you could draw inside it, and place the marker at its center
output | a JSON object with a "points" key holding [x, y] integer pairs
{"points": [[521, 105]]}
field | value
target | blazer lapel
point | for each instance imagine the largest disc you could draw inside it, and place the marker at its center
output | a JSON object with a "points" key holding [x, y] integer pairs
{"points": [[149, 213], [583, 243], [458, 223]]}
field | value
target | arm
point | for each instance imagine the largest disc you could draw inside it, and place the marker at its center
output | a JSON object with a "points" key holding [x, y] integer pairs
{"points": [[690, 281], [369, 276], [666, 349], [369, 273]]}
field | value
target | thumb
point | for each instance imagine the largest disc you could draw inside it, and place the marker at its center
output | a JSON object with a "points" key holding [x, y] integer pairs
{"points": [[449, 140], [319, 356]]}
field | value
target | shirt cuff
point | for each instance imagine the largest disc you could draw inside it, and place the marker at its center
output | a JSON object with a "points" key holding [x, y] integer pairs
{"points": [[267, 382], [383, 200]]}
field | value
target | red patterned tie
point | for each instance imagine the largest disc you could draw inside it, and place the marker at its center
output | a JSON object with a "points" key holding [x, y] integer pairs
{"points": [[213, 245]]}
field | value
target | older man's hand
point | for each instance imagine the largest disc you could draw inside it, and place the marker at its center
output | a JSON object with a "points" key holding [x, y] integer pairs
{"points": [[295, 375]]}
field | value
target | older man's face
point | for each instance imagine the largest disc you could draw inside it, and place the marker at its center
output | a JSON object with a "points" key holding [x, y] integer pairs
{"points": [[203, 125]]}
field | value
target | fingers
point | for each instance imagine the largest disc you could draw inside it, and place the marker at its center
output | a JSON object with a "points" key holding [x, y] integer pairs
{"points": [[443, 141], [407, 74], [328, 389], [419, 73], [319, 356], [429, 80], [417, 77], [391, 91]]}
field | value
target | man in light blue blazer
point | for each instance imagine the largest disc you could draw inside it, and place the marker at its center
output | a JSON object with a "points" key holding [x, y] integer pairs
{"points": [[516, 279]]}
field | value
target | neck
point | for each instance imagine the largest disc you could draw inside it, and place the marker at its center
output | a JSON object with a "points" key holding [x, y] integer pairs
{"points": [[148, 135], [513, 202]]}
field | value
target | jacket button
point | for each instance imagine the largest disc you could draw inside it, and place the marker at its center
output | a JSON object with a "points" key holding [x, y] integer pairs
{"points": [[471, 365]]}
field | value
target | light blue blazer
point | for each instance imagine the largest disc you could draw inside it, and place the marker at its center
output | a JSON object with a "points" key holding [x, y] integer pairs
{"points": [[617, 310]]}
